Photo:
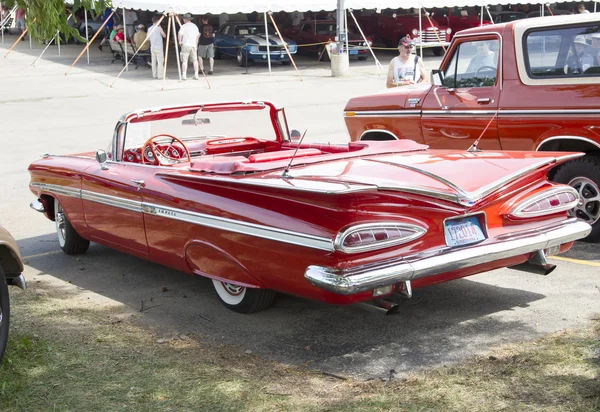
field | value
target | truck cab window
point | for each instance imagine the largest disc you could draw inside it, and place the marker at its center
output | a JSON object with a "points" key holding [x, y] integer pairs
{"points": [[474, 64]]}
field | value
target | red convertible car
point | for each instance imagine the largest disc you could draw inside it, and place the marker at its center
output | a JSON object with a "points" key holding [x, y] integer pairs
{"points": [[222, 191]]}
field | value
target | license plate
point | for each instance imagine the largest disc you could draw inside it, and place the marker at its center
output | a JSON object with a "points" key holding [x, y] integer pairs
{"points": [[463, 231], [353, 51]]}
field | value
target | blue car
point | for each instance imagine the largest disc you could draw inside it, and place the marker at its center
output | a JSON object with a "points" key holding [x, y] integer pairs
{"points": [[247, 41]]}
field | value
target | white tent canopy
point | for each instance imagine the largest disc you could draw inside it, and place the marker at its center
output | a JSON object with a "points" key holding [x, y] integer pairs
{"points": [[244, 6]]}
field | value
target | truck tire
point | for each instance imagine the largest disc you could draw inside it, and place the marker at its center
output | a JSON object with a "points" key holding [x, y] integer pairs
{"points": [[68, 239], [584, 175]]}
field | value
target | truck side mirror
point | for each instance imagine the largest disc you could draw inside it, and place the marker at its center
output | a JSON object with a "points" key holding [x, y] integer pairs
{"points": [[437, 77]]}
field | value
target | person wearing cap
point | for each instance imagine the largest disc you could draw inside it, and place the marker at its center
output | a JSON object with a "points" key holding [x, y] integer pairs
{"points": [[119, 36], [580, 61], [188, 39], [140, 37], [157, 49], [406, 68], [594, 49], [484, 57]]}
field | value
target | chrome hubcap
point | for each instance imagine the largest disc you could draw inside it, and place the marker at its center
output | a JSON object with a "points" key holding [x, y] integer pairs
{"points": [[588, 208], [60, 221], [233, 289]]}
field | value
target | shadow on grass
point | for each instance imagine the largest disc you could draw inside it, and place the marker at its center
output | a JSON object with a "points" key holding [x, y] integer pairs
{"points": [[441, 324], [65, 354]]}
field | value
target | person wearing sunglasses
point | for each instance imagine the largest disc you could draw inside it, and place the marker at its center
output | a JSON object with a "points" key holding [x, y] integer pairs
{"points": [[406, 68]]}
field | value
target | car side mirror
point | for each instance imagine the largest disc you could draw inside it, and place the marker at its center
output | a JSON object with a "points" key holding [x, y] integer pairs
{"points": [[101, 156], [437, 77], [295, 135]]}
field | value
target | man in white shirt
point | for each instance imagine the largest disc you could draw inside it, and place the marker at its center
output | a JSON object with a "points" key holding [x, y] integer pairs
{"points": [[156, 35], [188, 40]]}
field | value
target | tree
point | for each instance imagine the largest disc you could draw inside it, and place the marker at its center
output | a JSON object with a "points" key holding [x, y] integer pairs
{"points": [[52, 15]]}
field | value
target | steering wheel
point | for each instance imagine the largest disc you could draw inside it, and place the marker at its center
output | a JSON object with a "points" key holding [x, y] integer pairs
{"points": [[491, 68], [158, 154]]}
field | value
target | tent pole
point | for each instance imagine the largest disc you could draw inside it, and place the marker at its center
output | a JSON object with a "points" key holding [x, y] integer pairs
{"points": [[542, 10], [268, 47], [284, 45], [420, 30], [172, 17], [91, 41], [377, 63], [45, 48], [58, 39], [87, 37], [19, 39], [347, 33], [5, 19], [125, 41], [166, 55], [487, 9], [481, 16]]}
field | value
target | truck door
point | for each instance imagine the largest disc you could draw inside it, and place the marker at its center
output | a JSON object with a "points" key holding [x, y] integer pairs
{"points": [[457, 113]]}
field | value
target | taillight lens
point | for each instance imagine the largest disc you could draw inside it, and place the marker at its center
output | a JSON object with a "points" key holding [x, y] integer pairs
{"points": [[546, 202], [370, 236]]}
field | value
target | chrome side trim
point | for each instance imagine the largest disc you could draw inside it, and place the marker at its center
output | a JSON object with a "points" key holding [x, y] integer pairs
{"points": [[127, 204], [583, 139], [58, 189], [201, 219], [548, 112], [382, 113], [517, 210], [368, 277], [458, 112], [251, 229]]}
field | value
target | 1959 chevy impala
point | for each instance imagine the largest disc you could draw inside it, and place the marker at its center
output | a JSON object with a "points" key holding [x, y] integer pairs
{"points": [[222, 191]]}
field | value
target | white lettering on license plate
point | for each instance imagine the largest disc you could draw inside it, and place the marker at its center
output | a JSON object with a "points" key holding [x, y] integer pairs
{"points": [[460, 232]]}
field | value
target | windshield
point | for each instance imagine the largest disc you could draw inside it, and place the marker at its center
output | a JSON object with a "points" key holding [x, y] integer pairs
{"points": [[205, 124], [326, 28], [252, 29]]}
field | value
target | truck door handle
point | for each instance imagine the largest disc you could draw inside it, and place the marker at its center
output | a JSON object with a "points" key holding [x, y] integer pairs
{"points": [[483, 100]]}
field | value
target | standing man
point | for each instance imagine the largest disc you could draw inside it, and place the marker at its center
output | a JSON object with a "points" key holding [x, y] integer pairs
{"points": [[130, 18], [405, 68], [20, 21], [188, 40], [156, 35], [206, 49]]}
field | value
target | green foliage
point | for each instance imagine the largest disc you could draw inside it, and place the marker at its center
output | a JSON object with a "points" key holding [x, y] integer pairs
{"points": [[52, 15]]}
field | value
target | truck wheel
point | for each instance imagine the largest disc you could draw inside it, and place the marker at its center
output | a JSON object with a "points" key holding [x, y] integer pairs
{"points": [[69, 240], [583, 174], [241, 299], [363, 58], [437, 51], [241, 58]]}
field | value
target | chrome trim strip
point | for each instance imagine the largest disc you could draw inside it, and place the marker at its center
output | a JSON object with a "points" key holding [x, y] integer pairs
{"points": [[458, 112], [550, 139], [251, 229], [122, 203], [59, 189], [382, 113], [368, 277], [549, 112]]}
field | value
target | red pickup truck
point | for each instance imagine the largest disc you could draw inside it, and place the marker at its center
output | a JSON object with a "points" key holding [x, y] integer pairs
{"points": [[531, 84]]}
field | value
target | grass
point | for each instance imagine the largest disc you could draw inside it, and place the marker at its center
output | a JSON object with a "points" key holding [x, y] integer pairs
{"points": [[67, 355]]}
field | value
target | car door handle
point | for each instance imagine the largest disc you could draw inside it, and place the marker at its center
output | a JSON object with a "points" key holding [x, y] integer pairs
{"points": [[483, 100]]}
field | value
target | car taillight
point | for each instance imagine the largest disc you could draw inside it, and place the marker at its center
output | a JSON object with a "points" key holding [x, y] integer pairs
{"points": [[547, 202], [370, 236]]}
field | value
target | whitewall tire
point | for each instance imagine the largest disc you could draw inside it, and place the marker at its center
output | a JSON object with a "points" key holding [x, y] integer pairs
{"points": [[241, 299]]}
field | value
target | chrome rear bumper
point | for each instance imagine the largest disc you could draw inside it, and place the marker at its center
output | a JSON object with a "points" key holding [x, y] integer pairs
{"points": [[368, 277]]}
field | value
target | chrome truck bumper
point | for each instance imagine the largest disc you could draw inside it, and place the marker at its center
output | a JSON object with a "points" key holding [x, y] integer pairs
{"points": [[368, 277]]}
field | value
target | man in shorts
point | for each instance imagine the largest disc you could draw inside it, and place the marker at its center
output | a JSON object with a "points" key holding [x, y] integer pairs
{"points": [[188, 39], [206, 49]]}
